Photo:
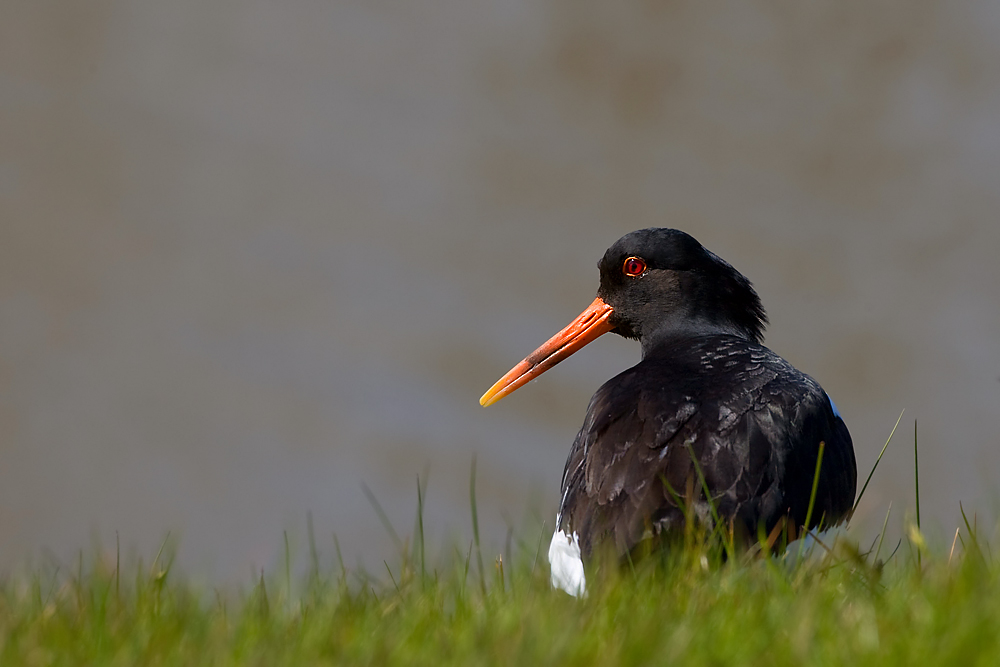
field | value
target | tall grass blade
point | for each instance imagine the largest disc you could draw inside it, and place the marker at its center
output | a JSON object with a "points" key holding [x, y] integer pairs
{"points": [[631, 565], [475, 526], [881, 535], [916, 482], [384, 518], [704, 485], [877, 460], [392, 578], [118, 567], [973, 536], [340, 559], [718, 527], [465, 574], [538, 548], [313, 552], [159, 552], [681, 505], [916, 472], [953, 542], [78, 583], [898, 544], [288, 567], [263, 605], [507, 544], [420, 531], [812, 495]]}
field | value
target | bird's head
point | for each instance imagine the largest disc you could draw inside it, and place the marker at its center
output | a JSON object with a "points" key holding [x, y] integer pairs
{"points": [[662, 283], [656, 284]]}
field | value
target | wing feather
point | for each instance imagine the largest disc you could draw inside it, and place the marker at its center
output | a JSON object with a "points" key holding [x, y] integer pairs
{"points": [[750, 419]]}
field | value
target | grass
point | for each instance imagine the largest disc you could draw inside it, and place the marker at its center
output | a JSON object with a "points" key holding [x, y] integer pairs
{"points": [[698, 604], [689, 608]]}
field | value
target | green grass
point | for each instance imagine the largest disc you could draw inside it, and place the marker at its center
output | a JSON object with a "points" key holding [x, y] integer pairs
{"points": [[692, 607], [699, 603]]}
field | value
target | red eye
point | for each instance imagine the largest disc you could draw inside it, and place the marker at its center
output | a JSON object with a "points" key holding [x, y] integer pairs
{"points": [[633, 266]]}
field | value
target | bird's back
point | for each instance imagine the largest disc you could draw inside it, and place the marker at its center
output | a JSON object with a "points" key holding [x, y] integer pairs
{"points": [[752, 421]]}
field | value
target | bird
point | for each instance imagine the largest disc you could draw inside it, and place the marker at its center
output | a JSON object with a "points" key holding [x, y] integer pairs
{"points": [[706, 390]]}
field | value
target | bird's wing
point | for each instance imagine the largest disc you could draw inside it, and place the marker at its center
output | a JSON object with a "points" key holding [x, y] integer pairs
{"points": [[793, 416], [756, 448], [626, 463]]}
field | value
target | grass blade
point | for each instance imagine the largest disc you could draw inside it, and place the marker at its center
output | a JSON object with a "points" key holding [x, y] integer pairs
{"points": [[118, 567], [718, 527], [973, 536], [420, 531], [475, 526], [465, 574], [159, 553], [704, 486], [392, 578], [538, 549], [881, 536], [288, 567], [872, 472], [313, 553], [812, 495], [340, 560], [953, 542], [384, 518], [916, 482], [499, 567], [916, 472]]}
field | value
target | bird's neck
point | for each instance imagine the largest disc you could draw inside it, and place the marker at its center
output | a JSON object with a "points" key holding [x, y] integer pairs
{"points": [[671, 330]]}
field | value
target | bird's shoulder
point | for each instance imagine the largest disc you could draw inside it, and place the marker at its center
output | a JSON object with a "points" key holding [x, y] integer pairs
{"points": [[718, 378]]}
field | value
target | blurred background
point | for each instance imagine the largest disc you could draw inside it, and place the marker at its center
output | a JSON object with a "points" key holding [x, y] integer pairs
{"points": [[254, 254]]}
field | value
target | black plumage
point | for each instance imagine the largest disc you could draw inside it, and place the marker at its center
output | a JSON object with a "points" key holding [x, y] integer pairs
{"points": [[752, 422], [706, 389]]}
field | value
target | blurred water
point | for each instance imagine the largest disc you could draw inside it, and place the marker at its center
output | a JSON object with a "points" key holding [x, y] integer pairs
{"points": [[253, 254]]}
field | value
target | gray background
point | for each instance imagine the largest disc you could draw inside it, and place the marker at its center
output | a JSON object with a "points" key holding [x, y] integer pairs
{"points": [[255, 253]]}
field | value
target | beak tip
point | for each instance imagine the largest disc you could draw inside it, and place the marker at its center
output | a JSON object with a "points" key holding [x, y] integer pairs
{"points": [[499, 389]]}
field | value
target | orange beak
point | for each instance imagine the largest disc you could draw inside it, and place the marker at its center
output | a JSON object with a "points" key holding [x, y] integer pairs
{"points": [[589, 325]]}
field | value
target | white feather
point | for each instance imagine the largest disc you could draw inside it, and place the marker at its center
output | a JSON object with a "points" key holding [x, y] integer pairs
{"points": [[566, 564]]}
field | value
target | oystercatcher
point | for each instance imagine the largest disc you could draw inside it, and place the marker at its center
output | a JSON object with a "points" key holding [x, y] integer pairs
{"points": [[706, 390]]}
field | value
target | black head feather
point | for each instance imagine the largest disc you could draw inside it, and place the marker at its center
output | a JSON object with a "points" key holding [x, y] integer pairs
{"points": [[685, 290]]}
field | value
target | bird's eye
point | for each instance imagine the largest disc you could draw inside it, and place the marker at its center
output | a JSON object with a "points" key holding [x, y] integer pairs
{"points": [[633, 267]]}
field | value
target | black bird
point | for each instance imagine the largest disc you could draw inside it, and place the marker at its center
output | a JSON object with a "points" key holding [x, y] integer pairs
{"points": [[707, 389]]}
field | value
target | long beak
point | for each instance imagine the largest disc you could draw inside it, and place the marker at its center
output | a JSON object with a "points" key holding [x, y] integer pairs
{"points": [[589, 325]]}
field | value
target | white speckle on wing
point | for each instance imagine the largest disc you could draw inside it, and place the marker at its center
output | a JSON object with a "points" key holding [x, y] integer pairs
{"points": [[566, 564]]}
